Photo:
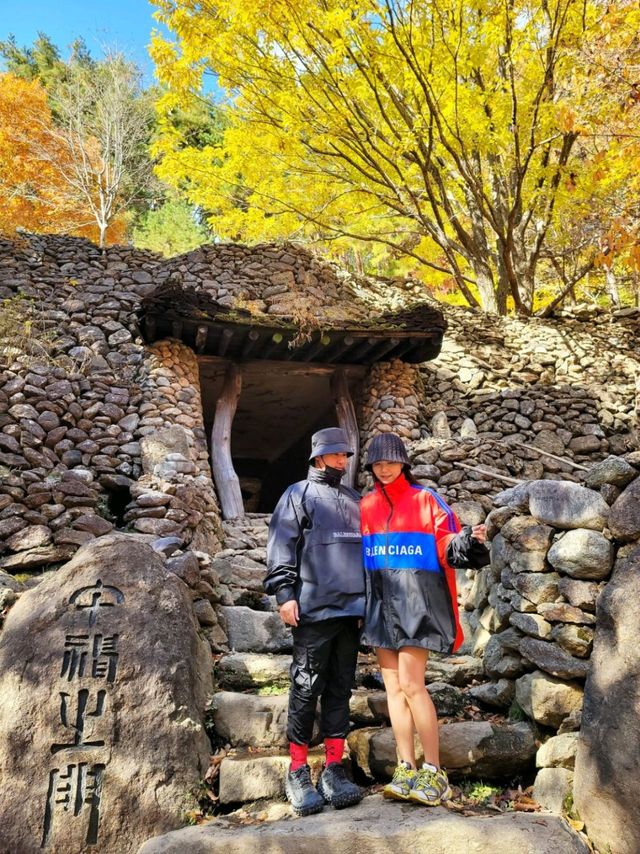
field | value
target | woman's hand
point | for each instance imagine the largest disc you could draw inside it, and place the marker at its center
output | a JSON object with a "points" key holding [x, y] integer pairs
{"points": [[289, 612], [479, 533]]}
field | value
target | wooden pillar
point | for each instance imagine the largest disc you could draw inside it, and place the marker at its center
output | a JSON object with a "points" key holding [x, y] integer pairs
{"points": [[347, 420], [226, 480]]}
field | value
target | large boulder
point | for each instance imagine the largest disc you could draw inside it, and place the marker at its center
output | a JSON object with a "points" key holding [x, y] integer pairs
{"points": [[608, 759], [566, 505], [103, 687]]}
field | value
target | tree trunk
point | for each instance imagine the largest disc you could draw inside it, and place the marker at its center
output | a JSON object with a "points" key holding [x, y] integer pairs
{"points": [[612, 287], [347, 420], [224, 475]]}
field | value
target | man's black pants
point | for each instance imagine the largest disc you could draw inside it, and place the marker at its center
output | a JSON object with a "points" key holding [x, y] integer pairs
{"points": [[325, 654]]}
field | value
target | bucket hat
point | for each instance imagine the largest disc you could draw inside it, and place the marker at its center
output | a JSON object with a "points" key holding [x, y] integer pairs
{"points": [[388, 447], [331, 440]]}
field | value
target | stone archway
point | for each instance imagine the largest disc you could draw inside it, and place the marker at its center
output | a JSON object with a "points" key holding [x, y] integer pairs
{"points": [[260, 415]]}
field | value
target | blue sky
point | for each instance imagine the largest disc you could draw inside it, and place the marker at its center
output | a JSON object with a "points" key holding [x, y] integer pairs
{"points": [[124, 24]]}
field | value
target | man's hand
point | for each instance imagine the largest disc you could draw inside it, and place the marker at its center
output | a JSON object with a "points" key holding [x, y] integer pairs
{"points": [[289, 613], [479, 533]]}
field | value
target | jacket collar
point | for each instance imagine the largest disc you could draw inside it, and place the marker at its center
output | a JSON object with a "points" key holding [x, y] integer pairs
{"points": [[322, 476], [396, 489]]}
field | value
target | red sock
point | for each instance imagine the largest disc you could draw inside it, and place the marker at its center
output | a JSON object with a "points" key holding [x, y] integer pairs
{"points": [[334, 748], [298, 754]]}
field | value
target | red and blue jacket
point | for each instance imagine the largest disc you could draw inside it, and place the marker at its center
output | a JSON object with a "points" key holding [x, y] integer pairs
{"points": [[406, 531]]}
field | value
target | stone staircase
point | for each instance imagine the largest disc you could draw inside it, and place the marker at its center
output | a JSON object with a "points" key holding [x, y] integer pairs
{"points": [[249, 707]]}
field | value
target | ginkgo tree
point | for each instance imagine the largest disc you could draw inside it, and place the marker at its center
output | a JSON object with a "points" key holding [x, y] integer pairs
{"points": [[442, 131]]}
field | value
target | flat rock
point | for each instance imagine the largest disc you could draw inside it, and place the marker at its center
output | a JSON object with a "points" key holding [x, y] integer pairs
{"points": [[31, 537], [37, 557], [491, 751], [566, 505], [499, 694], [376, 826], [613, 470], [455, 669], [255, 631], [553, 660], [242, 670], [249, 719]]}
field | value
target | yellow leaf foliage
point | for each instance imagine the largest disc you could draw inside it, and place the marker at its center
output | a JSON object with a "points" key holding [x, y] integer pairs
{"points": [[464, 135]]}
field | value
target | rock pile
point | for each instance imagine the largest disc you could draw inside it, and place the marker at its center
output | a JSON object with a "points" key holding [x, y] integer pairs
{"points": [[533, 610]]}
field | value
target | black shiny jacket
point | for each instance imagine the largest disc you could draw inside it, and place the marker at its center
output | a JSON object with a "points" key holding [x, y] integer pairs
{"points": [[314, 552]]}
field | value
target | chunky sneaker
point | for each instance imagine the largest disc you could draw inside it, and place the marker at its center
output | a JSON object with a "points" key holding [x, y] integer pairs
{"points": [[336, 789], [431, 786], [401, 783], [301, 792]]}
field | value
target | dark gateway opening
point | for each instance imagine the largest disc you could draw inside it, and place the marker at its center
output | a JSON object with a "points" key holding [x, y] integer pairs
{"points": [[281, 404]]}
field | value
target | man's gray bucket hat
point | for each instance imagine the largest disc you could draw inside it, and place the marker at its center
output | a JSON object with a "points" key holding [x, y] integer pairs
{"points": [[388, 447], [331, 440]]}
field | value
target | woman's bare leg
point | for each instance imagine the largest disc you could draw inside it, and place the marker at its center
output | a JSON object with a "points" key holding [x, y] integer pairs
{"points": [[399, 711], [412, 662]]}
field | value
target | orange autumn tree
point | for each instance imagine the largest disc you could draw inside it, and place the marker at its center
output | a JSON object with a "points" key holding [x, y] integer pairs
{"points": [[35, 164]]}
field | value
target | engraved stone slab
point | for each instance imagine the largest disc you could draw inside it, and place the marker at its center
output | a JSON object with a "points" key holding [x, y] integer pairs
{"points": [[103, 686]]}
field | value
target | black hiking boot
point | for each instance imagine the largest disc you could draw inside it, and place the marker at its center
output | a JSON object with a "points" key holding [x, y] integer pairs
{"points": [[301, 793], [337, 789]]}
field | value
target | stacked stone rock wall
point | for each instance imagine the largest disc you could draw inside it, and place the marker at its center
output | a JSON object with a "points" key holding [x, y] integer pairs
{"points": [[75, 412], [526, 392], [533, 610]]}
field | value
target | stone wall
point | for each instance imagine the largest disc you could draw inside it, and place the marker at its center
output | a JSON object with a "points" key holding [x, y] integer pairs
{"points": [[533, 610]]}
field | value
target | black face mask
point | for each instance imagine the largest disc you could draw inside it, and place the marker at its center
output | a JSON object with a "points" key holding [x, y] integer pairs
{"points": [[334, 476]]}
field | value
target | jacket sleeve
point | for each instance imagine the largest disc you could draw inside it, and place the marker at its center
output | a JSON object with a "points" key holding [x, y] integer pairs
{"points": [[285, 534], [465, 552], [445, 527]]}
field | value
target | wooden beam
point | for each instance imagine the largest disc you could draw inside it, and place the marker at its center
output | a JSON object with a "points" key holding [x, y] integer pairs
{"points": [[363, 348], [225, 340], [176, 329], [405, 346], [150, 328], [250, 342], [320, 346], [347, 420], [224, 475], [343, 347], [267, 366], [276, 340], [201, 339], [377, 353]]}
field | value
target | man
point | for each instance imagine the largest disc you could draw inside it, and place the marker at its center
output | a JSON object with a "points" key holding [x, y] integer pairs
{"points": [[314, 568]]}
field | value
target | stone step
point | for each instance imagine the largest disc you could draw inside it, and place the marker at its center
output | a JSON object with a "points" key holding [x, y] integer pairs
{"points": [[482, 749], [261, 720], [246, 777], [247, 670], [377, 826], [254, 631]]}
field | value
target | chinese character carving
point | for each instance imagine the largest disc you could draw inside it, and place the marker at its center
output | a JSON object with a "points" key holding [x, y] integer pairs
{"points": [[76, 792], [96, 597], [104, 656], [81, 715]]}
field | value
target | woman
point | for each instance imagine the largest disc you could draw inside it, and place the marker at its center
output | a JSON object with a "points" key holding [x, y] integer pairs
{"points": [[411, 542]]}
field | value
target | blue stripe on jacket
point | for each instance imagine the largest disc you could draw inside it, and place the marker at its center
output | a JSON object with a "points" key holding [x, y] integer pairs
{"points": [[451, 519], [400, 550]]}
